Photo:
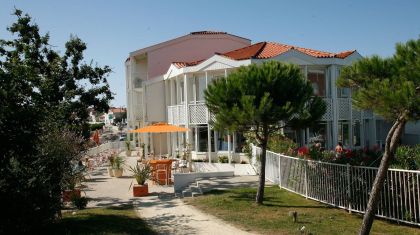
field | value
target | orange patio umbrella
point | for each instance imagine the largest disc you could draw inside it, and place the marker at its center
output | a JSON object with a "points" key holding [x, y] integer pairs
{"points": [[160, 127]]}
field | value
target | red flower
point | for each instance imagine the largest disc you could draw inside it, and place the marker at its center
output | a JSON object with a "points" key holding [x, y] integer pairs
{"points": [[348, 153], [302, 151]]}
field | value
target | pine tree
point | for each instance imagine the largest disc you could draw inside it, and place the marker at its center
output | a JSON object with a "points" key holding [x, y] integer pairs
{"points": [[263, 99], [391, 88]]}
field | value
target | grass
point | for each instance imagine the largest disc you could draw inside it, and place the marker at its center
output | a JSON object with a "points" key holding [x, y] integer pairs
{"points": [[113, 220], [237, 207]]}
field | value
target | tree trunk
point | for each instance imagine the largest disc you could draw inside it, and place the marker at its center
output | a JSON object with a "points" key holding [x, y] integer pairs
{"points": [[260, 193], [392, 139]]}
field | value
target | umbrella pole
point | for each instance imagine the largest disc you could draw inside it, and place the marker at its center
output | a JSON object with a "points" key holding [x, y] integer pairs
{"points": [[160, 145]]}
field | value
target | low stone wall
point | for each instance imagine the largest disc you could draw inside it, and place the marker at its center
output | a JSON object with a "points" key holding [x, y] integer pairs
{"points": [[238, 169], [182, 180]]}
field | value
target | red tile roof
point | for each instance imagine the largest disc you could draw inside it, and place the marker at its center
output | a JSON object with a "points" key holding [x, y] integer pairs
{"points": [[186, 64], [265, 50]]}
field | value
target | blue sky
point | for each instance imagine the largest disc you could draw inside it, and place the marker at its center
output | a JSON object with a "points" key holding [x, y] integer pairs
{"points": [[112, 29]]}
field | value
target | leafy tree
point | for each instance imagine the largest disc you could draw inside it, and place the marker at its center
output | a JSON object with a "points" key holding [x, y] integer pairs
{"points": [[263, 99], [44, 98], [391, 88]]}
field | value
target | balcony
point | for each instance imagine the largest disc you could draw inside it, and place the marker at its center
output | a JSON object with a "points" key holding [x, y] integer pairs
{"points": [[197, 114]]}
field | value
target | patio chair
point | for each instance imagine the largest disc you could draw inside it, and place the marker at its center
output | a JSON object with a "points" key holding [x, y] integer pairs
{"points": [[183, 165], [162, 169]]}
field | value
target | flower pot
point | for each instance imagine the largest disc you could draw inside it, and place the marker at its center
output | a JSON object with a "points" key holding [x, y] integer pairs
{"points": [[140, 190], [118, 172], [110, 172], [128, 153], [68, 194]]}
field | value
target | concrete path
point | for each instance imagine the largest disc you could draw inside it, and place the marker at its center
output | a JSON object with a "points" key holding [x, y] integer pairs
{"points": [[165, 213]]}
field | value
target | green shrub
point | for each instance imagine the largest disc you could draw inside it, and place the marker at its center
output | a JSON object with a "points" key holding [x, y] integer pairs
{"points": [[281, 144], [79, 202], [407, 157], [96, 126], [223, 159]]}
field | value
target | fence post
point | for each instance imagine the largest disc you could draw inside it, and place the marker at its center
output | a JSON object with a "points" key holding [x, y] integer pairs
{"points": [[349, 187], [280, 170], [306, 178]]}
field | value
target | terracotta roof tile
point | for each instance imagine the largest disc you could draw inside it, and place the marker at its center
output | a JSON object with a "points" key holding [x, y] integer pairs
{"points": [[265, 50], [245, 52], [344, 54], [186, 64]]}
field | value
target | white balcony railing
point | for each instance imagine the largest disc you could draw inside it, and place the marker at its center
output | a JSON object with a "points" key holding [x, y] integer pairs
{"points": [[176, 114], [328, 116], [197, 113]]}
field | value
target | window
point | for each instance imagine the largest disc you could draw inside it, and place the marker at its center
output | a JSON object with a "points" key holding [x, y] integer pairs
{"points": [[344, 133], [201, 86], [356, 133], [317, 79], [343, 92], [181, 92], [318, 134]]}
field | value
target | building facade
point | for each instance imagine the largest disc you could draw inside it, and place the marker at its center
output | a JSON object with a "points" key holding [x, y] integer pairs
{"points": [[166, 82]]}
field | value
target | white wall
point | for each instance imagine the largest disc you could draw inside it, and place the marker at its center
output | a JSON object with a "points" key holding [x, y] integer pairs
{"points": [[155, 102]]}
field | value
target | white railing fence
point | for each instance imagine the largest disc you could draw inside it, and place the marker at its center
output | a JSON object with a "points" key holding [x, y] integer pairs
{"points": [[346, 186]]}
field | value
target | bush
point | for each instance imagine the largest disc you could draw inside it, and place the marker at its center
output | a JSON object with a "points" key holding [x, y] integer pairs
{"points": [[223, 159], [407, 157], [79, 202], [281, 144], [96, 126]]}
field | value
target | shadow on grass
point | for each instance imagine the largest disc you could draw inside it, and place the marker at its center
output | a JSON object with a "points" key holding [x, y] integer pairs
{"points": [[113, 220], [269, 201]]}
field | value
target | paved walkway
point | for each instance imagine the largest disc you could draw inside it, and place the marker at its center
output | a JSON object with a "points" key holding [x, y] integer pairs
{"points": [[165, 213]]}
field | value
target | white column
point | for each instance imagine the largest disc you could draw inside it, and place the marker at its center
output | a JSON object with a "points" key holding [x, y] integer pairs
{"points": [[194, 90], [146, 143], [215, 142], [333, 76], [196, 139], [351, 144], [187, 117], [208, 127], [229, 148], [233, 142]]}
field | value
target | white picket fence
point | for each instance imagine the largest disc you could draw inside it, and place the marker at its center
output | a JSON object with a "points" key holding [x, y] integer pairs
{"points": [[346, 186]]}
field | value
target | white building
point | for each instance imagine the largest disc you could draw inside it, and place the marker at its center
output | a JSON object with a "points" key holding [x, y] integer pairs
{"points": [[166, 82]]}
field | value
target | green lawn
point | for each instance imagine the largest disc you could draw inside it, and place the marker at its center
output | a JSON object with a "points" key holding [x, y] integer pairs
{"points": [[113, 220], [237, 207]]}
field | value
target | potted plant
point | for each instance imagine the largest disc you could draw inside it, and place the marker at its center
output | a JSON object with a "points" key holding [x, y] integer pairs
{"points": [[111, 164], [128, 146], [117, 166], [70, 190], [79, 202], [141, 173]]}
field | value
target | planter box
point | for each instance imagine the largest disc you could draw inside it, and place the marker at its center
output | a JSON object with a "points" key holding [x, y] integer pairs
{"points": [[118, 172], [68, 194], [140, 190], [110, 172]]}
